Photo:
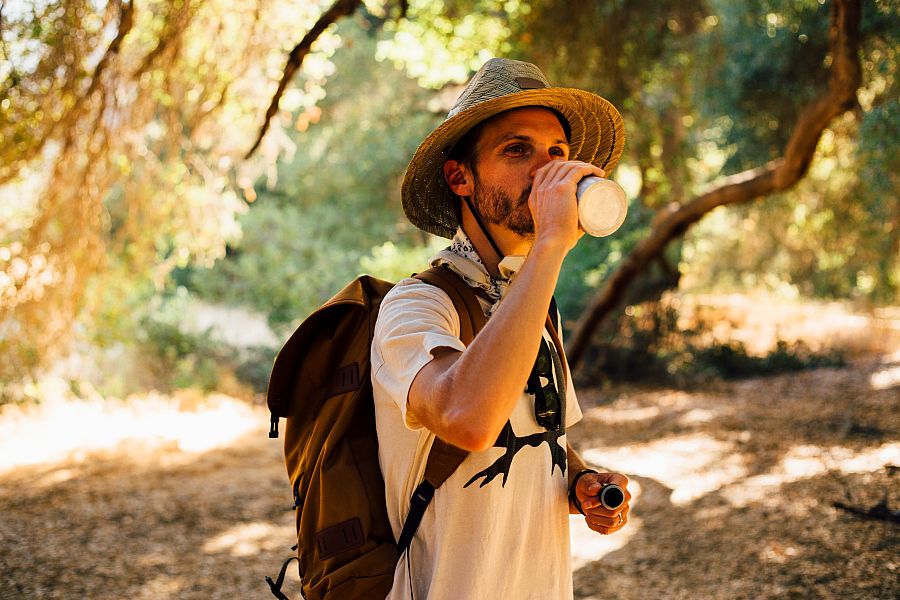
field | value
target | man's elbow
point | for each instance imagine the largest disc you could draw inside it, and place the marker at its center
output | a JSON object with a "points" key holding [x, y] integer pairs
{"points": [[469, 432], [452, 411], [474, 442]]}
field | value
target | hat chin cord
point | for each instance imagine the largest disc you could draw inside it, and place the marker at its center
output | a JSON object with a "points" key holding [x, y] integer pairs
{"points": [[484, 230]]}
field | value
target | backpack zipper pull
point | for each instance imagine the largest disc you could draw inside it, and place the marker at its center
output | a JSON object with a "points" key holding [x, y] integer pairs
{"points": [[273, 427]]}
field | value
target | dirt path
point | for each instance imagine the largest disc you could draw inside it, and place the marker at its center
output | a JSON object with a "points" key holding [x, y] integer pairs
{"points": [[736, 485]]}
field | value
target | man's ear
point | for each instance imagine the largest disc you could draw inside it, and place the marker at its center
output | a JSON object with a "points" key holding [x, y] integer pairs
{"points": [[459, 178]]}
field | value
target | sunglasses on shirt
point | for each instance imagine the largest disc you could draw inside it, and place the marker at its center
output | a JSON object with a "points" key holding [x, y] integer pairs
{"points": [[547, 403]]}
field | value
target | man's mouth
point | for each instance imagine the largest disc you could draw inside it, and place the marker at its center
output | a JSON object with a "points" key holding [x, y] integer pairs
{"points": [[526, 193]]}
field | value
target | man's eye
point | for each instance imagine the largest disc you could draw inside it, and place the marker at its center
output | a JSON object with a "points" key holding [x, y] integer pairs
{"points": [[557, 152]]}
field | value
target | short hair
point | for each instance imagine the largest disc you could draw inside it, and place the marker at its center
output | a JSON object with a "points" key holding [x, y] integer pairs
{"points": [[464, 151]]}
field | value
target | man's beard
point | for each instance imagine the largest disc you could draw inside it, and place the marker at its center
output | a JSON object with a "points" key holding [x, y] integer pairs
{"points": [[496, 207]]}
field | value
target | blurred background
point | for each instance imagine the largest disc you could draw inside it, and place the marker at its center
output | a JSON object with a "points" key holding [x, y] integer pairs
{"points": [[156, 248]]}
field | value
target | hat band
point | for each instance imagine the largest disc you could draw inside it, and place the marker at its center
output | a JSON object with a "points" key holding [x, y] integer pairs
{"points": [[528, 83]]}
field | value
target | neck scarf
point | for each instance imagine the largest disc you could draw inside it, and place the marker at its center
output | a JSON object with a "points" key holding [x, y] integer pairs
{"points": [[462, 258]]}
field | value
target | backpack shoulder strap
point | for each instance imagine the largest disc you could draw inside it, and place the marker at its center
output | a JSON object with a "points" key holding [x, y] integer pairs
{"points": [[553, 325], [471, 316], [553, 313], [444, 458]]}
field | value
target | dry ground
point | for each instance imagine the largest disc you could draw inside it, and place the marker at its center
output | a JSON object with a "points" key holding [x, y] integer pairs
{"points": [[735, 485], [738, 484]]}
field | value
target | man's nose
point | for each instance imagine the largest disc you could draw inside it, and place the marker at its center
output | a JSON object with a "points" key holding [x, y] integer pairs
{"points": [[541, 159]]}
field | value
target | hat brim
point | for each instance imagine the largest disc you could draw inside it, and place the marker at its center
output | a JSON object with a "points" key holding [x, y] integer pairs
{"points": [[597, 136]]}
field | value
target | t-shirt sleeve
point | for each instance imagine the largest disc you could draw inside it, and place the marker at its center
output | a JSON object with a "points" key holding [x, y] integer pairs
{"points": [[415, 318]]}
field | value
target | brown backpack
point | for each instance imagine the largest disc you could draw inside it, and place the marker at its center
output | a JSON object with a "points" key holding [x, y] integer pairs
{"points": [[321, 385]]}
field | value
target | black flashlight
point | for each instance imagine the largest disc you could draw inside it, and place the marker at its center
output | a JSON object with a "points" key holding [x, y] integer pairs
{"points": [[611, 496]]}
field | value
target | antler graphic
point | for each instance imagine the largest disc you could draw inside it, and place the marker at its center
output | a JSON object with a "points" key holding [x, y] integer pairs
{"points": [[513, 443]]}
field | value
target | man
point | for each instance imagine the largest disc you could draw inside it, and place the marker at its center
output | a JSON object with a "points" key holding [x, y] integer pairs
{"points": [[498, 177]]}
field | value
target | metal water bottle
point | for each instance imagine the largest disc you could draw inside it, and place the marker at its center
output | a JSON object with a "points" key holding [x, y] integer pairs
{"points": [[601, 205]]}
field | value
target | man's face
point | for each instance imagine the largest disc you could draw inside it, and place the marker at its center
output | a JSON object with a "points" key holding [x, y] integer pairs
{"points": [[510, 148]]}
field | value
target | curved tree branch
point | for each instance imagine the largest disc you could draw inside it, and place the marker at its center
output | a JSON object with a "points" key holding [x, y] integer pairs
{"points": [[776, 175], [340, 8], [126, 22], [176, 24]]}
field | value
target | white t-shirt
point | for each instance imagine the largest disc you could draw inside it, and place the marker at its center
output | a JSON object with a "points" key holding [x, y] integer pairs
{"points": [[499, 526]]}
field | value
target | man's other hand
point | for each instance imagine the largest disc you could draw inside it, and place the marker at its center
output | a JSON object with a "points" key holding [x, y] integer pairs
{"points": [[601, 519]]}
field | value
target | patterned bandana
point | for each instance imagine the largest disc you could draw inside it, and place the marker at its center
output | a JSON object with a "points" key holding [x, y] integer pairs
{"points": [[462, 258]]}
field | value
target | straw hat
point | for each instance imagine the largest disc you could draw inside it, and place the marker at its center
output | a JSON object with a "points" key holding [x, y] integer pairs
{"points": [[597, 134]]}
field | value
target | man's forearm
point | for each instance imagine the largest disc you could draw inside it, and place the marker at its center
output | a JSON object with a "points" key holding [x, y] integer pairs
{"points": [[575, 465], [470, 395], [506, 347], [483, 383]]}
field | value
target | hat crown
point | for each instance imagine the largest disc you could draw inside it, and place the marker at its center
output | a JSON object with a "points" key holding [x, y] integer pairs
{"points": [[496, 78]]}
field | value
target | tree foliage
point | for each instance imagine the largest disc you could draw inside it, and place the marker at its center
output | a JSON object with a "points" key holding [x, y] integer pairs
{"points": [[711, 88], [336, 199], [837, 234], [125, 126]]}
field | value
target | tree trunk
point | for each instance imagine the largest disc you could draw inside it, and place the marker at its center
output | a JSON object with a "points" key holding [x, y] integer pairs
{"points": [[777, 175]]}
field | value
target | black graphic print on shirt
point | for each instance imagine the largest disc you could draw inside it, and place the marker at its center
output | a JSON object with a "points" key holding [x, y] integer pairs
{"points": [[514, 443]]}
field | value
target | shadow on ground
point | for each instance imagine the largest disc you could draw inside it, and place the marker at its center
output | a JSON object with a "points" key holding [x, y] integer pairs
{"points": [[737, 484], [154, 524]]}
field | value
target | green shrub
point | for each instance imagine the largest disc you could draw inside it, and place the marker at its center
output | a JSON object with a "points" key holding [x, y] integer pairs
{"points": [[646, 344], [181, 359], [731, 361], [254, 365]]}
